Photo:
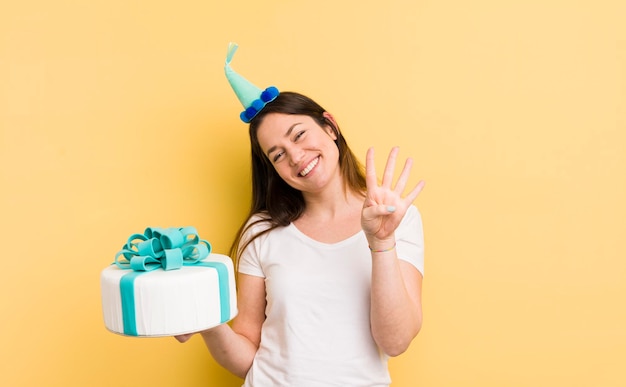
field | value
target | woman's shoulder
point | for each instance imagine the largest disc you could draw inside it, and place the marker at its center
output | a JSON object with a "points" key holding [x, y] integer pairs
{"points": [[259, 218], [256, 229], [412, 218], [257, 223], [412, 212]]}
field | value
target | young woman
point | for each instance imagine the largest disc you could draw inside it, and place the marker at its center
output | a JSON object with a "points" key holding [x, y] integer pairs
{"points": [[329, 262]]}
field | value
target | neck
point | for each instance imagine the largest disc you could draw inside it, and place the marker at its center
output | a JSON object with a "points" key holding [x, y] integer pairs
{"points": [[332, 203], [331, 216]]}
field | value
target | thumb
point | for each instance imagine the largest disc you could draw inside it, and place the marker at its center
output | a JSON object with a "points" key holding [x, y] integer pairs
{"points": [[378, 210]]}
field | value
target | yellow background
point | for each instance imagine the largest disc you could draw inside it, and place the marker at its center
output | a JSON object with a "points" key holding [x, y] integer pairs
{"points": [[115, 115]]}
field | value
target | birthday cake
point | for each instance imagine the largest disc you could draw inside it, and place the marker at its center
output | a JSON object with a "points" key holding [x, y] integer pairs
{"points": [[166, 282]]}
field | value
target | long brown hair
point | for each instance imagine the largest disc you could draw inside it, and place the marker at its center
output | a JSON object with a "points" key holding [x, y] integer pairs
{"points": [[275, 202]]}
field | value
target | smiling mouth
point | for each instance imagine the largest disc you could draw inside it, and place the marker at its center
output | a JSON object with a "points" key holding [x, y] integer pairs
{"points": [[309, 167]]}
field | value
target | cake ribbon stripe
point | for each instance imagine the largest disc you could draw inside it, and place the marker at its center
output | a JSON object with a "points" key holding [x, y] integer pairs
{"points": [[222, 274], [167, 249]]}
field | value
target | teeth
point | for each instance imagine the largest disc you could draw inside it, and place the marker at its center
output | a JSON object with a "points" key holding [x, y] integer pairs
{"points": [[308, 168]]}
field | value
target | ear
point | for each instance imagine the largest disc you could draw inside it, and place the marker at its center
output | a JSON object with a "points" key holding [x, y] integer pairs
{"points": [[331, 132]]}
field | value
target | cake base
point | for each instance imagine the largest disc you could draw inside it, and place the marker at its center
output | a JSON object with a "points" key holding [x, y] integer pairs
{"points": [[169, 303]]}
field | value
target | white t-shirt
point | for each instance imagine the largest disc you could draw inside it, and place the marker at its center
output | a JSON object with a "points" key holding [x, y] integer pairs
{"points": [[317, 327]]}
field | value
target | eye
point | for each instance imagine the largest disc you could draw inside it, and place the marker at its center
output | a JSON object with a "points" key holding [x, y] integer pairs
{"points": [[299, 135], [277, 156]]}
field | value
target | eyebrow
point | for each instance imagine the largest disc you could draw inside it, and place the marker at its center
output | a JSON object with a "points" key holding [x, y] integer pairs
{"points": [[287, 134]]}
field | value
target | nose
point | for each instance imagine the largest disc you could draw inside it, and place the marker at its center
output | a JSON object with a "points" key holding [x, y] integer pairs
{"points": [[295, 155]]}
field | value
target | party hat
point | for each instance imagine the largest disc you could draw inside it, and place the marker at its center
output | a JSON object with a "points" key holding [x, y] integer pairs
{"points": [[251, 97]]}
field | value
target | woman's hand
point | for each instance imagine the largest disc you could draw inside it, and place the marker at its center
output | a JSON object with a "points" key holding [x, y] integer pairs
{"points": [[384, 206], [184, 338]]}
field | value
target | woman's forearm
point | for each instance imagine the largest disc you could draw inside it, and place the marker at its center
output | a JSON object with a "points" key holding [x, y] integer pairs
{"points": [[231, 350], [396, 313]]}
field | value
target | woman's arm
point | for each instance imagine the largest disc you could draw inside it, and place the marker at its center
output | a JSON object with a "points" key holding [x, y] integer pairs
{"points": [[396, 311], [234, 347]]}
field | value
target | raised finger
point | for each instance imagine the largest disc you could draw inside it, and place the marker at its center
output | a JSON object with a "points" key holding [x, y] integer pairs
{"points": [[390, 167], [415, 191], [370, 170], [404, 177]]}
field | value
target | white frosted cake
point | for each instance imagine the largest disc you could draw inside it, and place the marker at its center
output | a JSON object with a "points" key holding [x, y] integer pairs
{"points": [[166, 302]]}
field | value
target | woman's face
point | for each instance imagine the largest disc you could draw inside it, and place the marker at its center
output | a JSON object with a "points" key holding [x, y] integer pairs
{"points": [[303, 153]]}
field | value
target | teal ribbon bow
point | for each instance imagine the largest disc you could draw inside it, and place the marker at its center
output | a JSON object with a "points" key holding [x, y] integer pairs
{"points": [[167, 249]]}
